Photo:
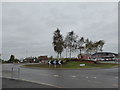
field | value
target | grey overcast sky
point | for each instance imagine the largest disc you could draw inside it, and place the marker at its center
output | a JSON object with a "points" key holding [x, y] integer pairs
{"points": [[28, 27]]}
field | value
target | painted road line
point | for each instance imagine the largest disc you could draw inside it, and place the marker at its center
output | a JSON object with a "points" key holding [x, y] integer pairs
{"points": [[42, 83], [73, 76], [116, 77], [94, 82], [115, 85], [94, 77], [56, 75]]}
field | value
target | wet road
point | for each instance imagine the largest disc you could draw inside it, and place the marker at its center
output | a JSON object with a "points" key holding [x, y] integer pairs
{"points": [[94, 78], [12, 83]]}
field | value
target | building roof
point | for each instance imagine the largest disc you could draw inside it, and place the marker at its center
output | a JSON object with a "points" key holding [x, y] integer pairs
{"points": [[104, 53], [42, 57]]}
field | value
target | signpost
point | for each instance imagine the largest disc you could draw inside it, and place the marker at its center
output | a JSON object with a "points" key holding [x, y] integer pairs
{"points": [[49, 62], [60, 63], [18, 73], [12, 73], [54, 62], [82, 64]]}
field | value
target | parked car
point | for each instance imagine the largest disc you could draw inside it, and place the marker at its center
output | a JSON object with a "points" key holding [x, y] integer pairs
{"points": [[97, 59]]}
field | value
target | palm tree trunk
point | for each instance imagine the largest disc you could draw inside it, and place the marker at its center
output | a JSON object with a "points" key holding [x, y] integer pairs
{"points": [[60, 55], [57, 55], [70, 53], [80, 53], [66, 53]]}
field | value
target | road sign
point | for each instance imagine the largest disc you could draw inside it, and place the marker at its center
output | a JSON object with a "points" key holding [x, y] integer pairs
{"points": [[54, 62], [82, 64], [49, 62], [59, 62]]}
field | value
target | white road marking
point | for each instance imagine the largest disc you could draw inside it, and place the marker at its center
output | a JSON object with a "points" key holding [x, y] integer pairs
{"points": [[73, 76], [56, 75], [94, 82], [115, 85], [116, 77], [94, 77]]}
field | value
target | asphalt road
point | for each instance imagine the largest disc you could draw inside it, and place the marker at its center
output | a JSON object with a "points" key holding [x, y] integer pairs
{"points": [[12, 83], [93, 78]]}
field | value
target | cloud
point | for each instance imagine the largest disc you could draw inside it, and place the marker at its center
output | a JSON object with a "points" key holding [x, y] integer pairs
{"points": [[30, 26]]}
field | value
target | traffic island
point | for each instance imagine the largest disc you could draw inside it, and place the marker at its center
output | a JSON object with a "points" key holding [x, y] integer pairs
{"points": [[71, 65]]}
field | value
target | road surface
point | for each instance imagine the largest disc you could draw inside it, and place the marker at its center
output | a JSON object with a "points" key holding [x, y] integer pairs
{"points": [[92, 78], [12, 83]]}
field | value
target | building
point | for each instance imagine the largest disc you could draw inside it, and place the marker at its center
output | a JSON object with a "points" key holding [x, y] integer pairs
{"points": [[29, 59], [43, 59], [104, 55], [84, 56]]}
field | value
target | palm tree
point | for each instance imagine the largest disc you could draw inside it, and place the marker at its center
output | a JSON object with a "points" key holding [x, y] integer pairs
{"points": [[88, 46], [95, 47], [70, 42], [80, 45], [12, 59], [58, 43], [65, 46], [101, 44]]}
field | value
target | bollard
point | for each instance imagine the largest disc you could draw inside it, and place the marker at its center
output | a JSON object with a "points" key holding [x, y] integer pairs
{"points": [[12, 73], [18, 73]]}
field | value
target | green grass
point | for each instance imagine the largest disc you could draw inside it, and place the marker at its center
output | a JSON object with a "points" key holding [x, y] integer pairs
{"points": [[71, 65]]}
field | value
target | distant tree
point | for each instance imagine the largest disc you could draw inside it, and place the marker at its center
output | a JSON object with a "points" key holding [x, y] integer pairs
{"points": [[89, 46], [87, 40], [66, 45], [12, 59], [58, 42], [16, 60], [101, 44], [2, 61], [94, 47], [70, 42], [97, 46], [51, 57], [0, 56], [80, 44], [86, 45]]}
